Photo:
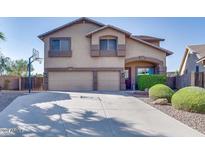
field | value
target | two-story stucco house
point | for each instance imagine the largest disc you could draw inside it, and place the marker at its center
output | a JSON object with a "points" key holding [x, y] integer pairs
{"points": [[88, 55], [193, 60]]}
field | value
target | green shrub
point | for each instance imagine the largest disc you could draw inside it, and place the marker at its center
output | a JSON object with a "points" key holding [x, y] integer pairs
{"points": [[190, 99], [147, 81], [160, 91]]}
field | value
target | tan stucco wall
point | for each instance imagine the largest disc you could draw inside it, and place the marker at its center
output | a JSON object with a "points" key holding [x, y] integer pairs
{"points": [[108, 32], [80, 46], [135, 49]]}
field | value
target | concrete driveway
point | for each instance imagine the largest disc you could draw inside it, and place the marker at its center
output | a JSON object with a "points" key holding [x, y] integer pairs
{"points": [[87, 114]]}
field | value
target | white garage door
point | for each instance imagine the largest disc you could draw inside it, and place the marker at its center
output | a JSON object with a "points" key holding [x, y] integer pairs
{"points": [[109, 81], [73, 81]]}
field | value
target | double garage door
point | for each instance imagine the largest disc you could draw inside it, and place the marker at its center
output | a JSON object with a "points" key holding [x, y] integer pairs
{"points": [[83, 81]]}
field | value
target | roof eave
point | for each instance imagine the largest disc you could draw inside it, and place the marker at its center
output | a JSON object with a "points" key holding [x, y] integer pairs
{"points": [[183, 59], [201, 59], [149, 38], [109, 26], [153, 39], [41, 36]]}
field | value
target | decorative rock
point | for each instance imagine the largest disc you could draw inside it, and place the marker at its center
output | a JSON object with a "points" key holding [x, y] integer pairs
{"points": [[146, 90], [161, 101]]}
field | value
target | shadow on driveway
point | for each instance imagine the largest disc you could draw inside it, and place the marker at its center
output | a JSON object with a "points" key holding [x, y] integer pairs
{"points": [[41, 115]]}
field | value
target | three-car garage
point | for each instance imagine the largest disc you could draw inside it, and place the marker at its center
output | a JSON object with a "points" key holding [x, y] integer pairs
{"points": [[84, 80]]}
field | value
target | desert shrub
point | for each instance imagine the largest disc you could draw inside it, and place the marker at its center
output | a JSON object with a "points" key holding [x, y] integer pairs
{"points": [[190, 99], [160, 91], [147, 81]]}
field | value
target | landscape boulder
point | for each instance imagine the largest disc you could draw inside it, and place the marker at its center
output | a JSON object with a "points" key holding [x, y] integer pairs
{"points": [[161, 101]]}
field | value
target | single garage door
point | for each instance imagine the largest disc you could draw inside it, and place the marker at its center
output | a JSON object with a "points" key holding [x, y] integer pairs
{"points": [[109, 81], [73, 81]]}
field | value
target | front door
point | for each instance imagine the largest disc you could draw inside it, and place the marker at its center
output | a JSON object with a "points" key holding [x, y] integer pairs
{"points": [[128, 78]]}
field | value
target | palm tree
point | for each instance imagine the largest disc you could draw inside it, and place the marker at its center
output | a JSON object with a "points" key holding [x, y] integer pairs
{"points": [[2, 37], [3, 60], [4, 63]]}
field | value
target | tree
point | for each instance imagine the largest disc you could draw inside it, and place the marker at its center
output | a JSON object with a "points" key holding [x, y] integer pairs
{"points": [[2, 37], [38, 75], [4, 61], [4, 64], [19, 68]]}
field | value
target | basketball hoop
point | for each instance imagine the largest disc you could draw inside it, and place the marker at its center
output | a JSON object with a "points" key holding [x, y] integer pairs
{"points": [[35, 54]]}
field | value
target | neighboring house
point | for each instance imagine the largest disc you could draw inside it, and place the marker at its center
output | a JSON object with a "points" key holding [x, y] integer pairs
{"points": [[202, 61], [88, 55], [193, 60]]}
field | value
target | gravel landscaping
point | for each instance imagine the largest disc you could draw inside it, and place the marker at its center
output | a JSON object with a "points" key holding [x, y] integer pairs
{"points": [[6, 97], [194, 120]]}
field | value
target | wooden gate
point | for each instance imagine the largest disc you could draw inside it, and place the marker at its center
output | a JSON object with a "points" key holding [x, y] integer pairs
{"points": [[200, 79], [36, 83]]}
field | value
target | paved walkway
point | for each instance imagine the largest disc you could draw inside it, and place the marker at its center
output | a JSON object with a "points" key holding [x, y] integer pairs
{"points": [[87, 114]]}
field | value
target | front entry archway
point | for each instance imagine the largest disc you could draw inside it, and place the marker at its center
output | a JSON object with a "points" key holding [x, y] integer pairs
{"points": [[140, 65]]}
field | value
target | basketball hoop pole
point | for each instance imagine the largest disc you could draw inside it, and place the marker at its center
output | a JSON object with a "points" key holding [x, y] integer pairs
{"points": [[30, 61], [29, 74]]}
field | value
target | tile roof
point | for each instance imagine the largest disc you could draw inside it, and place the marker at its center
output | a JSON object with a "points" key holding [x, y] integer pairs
{"points": [[146, 37]]}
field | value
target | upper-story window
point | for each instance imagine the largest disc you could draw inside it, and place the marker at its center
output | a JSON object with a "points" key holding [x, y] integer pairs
{"points": [[108, 44], [60, 44]]}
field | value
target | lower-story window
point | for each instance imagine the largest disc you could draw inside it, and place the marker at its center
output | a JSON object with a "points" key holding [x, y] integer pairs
{"points": [[147, 71]]}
